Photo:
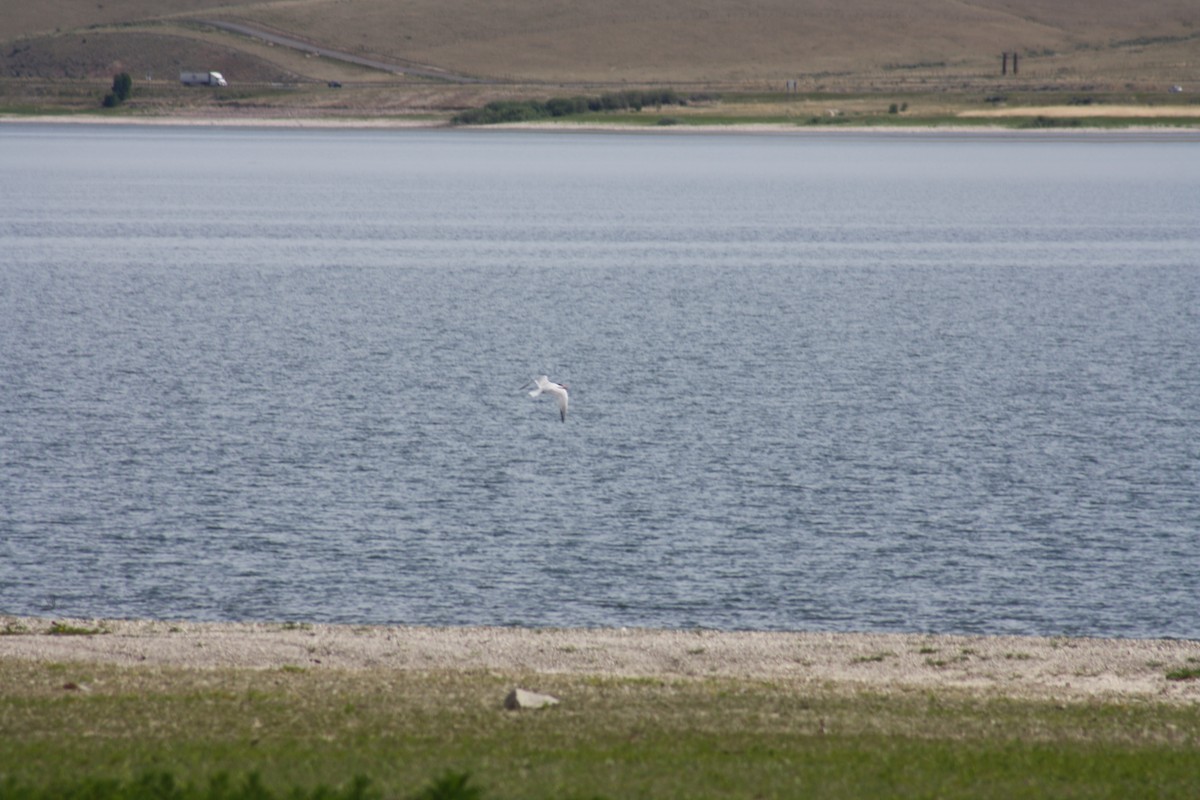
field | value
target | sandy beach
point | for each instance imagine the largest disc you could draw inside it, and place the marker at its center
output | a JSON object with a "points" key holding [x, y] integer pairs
{"points": [[1064, 669]]}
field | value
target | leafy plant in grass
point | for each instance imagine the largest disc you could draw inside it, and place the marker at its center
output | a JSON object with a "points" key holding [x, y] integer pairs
{"points": [[451, 786], [1184, 674]]}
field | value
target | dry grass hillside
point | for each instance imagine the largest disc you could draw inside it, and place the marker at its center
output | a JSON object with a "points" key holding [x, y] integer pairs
{"points": [[745, 41], [725, 42]]}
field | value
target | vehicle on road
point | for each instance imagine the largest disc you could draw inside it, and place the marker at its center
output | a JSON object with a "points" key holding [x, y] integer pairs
{"points": [[202, 79]]}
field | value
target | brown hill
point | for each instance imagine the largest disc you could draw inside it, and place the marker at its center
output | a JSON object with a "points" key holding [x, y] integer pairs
{"points": [[100, 54], [843, 44]]}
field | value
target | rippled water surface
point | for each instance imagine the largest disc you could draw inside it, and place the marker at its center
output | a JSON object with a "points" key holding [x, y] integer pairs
{"points": [[854, 383]]}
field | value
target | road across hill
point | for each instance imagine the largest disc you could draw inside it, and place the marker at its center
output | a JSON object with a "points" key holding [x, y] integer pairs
{"points": [[308, 47]]}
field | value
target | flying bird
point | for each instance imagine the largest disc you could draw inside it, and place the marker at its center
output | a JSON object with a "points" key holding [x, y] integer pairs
{"points": [[558, 390]]}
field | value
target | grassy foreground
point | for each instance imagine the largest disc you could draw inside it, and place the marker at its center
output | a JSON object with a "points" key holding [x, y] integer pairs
{"points": [[107, 731]]}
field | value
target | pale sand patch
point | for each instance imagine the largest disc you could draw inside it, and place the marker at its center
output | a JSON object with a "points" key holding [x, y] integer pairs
{"points": [[1066, 669], [1124, 112]]}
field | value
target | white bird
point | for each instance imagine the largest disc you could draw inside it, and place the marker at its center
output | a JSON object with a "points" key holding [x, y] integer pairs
{"points": [[558, 390]]}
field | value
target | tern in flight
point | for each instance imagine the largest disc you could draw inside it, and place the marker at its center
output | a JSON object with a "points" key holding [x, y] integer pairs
{"points": [[558, 390]]}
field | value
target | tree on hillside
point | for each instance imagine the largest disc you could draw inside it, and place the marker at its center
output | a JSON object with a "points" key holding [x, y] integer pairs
{"points": [[122, 87]]}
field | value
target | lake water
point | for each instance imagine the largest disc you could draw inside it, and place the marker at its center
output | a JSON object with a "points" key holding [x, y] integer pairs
{"points": [[888, 383]]}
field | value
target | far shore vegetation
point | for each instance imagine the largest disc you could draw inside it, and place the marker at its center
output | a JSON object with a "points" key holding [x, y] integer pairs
{"points": [[638, 108], [93, 731], [530, 110]]}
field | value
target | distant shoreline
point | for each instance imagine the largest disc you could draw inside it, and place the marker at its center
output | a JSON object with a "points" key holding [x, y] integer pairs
{"points": [[1145, 132], [1019, 667]]}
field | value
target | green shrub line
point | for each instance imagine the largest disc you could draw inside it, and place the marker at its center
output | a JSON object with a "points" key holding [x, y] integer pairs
{"points": [[1042, 121], [499, 111], [66, 629], [1184, 674], [163, 785]]}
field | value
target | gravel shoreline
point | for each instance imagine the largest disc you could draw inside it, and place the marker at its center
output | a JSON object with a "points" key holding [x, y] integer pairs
{"points": [[1059, 668]]}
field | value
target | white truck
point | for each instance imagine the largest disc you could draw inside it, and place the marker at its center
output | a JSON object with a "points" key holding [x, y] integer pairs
{"points": [[202, 79]]}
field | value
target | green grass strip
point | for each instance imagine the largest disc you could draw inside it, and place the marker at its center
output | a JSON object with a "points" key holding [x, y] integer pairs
{"points": [[71, 730]]}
